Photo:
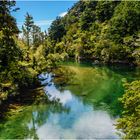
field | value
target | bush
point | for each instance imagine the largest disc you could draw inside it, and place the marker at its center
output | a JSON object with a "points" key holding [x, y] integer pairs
{"points": [[129, 123]]}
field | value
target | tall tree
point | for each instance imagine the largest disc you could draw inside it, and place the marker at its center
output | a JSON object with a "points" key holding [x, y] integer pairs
{"points": [[27, 28], [37, 36], [8, 28], [57, 29]]}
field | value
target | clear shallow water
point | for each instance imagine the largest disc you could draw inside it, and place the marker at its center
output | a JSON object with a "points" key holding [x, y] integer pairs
{"points": [[88, 105]]}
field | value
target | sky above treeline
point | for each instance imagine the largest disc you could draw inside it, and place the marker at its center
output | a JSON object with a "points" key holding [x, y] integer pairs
{"points": [[43, 12]]}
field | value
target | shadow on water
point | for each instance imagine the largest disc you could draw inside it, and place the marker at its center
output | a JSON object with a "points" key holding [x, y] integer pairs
{"points": [[85, 105]]}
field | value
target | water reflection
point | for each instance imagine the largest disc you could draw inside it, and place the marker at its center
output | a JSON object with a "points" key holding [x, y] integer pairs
{"points": [[88, 125], [85, 107], [82, 121]]}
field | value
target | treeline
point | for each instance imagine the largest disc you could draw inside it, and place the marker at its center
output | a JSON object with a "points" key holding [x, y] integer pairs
{"points": [[21, 58], [107, 31], [16, 73], [36, 48]]}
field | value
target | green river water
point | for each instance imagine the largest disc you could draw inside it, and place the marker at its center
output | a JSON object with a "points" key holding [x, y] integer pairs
{"points": [[88, 105]]}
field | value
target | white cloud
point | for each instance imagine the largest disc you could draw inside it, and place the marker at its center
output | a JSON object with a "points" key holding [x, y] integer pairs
{"points": [[63, 14], [39, 23]]}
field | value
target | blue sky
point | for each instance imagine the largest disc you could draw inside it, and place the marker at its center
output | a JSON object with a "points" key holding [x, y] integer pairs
{"points": [[43, 12]]}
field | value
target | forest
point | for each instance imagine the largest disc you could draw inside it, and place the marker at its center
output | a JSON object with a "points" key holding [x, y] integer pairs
{"points": [[101, 32]]}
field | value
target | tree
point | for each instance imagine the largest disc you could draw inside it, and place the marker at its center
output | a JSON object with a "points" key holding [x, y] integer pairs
{"points": [[37, 36], [57, 30], [125, 21], [129, 123], [88, 16], [86, 19], [105, 10], [7, 22], [8, 29], [27, 28], [10, 53]]}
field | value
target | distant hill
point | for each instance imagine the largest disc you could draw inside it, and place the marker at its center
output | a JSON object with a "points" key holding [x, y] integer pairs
{"points": [[108, 31]]}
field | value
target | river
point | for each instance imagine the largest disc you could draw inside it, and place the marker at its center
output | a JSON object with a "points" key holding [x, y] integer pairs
{"points": [[86, 106]]}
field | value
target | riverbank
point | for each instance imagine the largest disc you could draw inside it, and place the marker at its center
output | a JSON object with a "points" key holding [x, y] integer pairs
{"points": [[25, 98], [35, 95], [98, 61]]}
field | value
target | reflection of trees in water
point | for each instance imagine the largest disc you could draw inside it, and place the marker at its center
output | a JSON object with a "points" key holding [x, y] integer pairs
{"points": [[131, 73], [63, 77], [32, 132], [110, 101], [25, 124], [100, 86], [41, 115]]}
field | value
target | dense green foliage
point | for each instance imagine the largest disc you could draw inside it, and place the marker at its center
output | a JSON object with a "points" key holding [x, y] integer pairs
{"points": [[108, 31], [130, 121], [15, 73], [21, 59], [27, 28], [32, 35]]}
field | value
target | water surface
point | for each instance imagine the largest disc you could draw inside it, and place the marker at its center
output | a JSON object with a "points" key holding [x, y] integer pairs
{"points": [[86, 106]]}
